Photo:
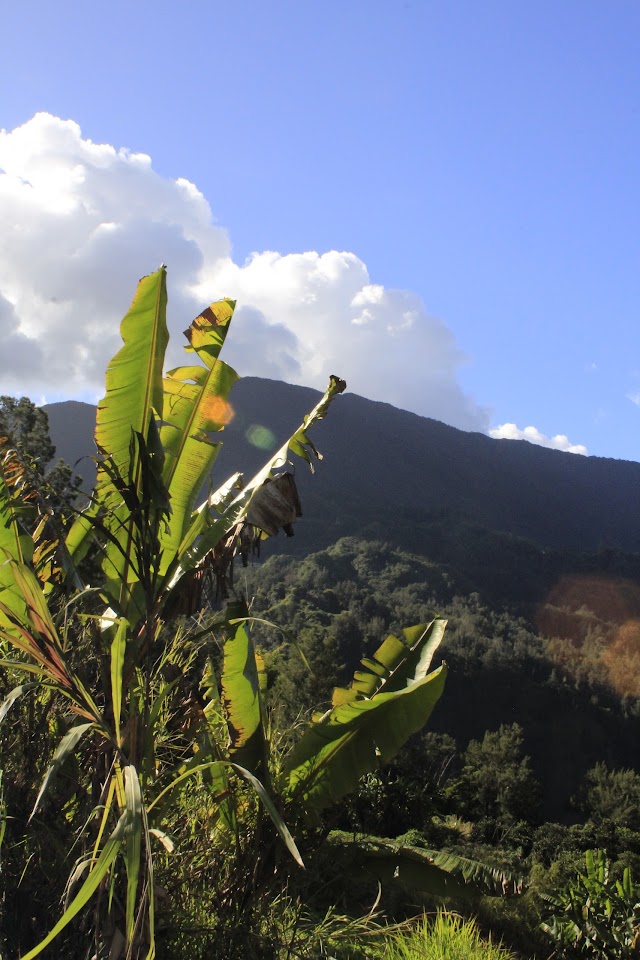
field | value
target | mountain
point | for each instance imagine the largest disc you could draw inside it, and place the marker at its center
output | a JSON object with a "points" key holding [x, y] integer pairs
{"points": [[386, 469], [512, 542]]}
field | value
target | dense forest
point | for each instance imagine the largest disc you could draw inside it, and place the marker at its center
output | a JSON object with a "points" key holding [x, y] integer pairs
{"points": [[530, 759], [217, 746]]}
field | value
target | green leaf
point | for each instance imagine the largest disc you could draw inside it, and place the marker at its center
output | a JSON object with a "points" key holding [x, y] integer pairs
{"points": [[195, 405], [270, 807], [388, 701], [208, 527], [133, 843], [133, 395], [395, 662], [134, 376], [118, 648], [242, 702], [353, 738], [268, 803], [66, 746], [80, 536]]}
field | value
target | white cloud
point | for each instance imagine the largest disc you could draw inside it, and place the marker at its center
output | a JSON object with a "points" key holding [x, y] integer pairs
{"points": [[635, 398], [83, 221], [509, 431], [381, 341]]}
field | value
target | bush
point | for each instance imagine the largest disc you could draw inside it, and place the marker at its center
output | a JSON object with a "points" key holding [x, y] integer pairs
{"points": [[594, 915]]}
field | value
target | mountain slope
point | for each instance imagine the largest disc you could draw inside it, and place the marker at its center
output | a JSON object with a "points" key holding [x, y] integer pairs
{"points": [[386, 468]]}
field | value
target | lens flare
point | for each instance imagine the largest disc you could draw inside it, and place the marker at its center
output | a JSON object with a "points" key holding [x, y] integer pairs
{"points": [[593, 623], [622, 659], [218, 411], [260, 437]]}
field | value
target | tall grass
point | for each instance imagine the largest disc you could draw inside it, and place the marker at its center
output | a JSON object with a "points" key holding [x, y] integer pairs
{"points": [[445, 937]]}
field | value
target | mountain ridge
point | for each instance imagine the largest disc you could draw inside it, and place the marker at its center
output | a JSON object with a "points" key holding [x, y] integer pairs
{"points": [[381, 461]]}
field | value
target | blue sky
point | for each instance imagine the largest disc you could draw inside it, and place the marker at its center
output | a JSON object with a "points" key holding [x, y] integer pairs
{"points": [[483, 156]]}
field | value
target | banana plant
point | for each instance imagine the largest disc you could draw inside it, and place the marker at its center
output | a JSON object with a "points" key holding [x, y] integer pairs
{"points": [[155, 441], [389, 699], [418, 869], [152, 725], [595, 915]]}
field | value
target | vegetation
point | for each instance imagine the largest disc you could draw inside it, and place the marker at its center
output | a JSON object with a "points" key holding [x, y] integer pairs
{"points": [[175, 749], [153, 712], [28, 427], [594, 915], [446, 936], [526, 765]]}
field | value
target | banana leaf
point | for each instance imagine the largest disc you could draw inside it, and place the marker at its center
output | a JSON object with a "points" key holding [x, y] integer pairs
{"points": [[431, 872], [133, 399], [394, 662], [241, 695], [195, 406], [355, 738], [208, 526], [134, 376]]}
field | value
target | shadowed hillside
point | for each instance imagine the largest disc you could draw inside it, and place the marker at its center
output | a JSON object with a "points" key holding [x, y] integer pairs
{"points": [[388, 468]]}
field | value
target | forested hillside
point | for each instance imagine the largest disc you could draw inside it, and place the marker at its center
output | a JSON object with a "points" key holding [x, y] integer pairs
{"points": [[564, 691], [530, 756]]}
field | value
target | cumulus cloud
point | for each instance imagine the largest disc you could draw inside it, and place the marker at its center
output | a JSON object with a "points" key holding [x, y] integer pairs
{"points": [[509, 431], [82, 221]]}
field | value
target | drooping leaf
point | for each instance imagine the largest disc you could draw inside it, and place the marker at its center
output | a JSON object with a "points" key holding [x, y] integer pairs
{"points": [[66, 746], [267, 802], [421, 870], [36, 635], [31, 629], [240, 685], [164, 839], [271, 809], [11, 698], [208, 527]]}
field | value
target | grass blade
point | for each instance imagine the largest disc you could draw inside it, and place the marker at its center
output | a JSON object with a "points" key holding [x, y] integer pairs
{"points": [[65, 747], [118, 648], [133, 842], [88, 888]]}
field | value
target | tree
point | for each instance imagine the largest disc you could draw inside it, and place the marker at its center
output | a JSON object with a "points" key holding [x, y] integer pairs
{"points": [[611, 796], [27, 428], [496, 786]]}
